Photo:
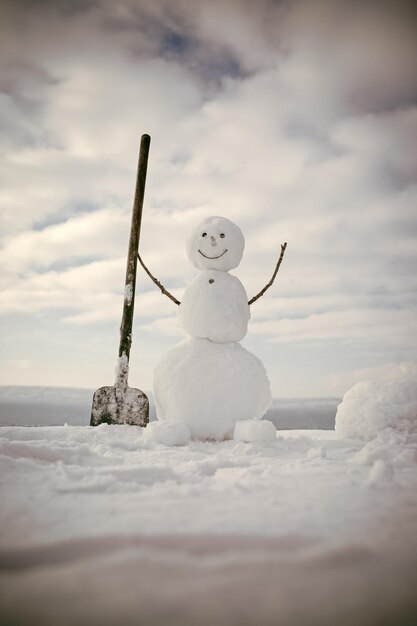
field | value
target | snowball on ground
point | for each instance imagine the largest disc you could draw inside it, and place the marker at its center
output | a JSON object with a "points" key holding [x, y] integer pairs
{"points": [[253, 431], [370, 407], [210, 386], [167, 433], [215, 306]]}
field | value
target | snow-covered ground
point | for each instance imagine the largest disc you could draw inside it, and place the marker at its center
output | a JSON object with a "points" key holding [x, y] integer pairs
{"points": [[100, 526]]}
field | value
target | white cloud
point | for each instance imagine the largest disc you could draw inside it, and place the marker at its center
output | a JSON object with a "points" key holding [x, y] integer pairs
{"points": [[390, 329], [164, 326], [342, 382], [99, 233], [21, 364], [88, 286]]}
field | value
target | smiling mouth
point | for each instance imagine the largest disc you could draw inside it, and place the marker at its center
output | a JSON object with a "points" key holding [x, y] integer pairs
{"points": [[213, 257]]}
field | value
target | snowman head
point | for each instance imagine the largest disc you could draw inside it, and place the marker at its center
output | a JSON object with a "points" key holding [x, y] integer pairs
{"points": [[215, 244]]}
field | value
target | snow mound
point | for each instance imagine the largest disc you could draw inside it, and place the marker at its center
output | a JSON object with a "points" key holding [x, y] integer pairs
{"points": [[254, 431], [371, 407], [399, 449]]}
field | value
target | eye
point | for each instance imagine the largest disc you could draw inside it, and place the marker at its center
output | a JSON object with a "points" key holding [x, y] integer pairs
{"points": [[222, 235], [204, 235]]}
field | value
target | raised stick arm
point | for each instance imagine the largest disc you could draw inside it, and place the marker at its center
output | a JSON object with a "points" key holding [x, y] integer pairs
{"points": [[268, 285], [157, 283]]}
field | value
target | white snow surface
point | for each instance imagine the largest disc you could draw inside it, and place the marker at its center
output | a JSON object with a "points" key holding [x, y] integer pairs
{"points": [[210, 386], [103, 525], [215, 243], [215, 306], [370, 407]]}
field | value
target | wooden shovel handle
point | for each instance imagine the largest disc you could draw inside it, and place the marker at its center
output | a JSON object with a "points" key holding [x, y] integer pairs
{"points": [[132, 259]]}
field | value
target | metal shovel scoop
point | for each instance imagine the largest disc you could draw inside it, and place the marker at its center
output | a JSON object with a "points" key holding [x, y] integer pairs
{"points": [[122, 404]]}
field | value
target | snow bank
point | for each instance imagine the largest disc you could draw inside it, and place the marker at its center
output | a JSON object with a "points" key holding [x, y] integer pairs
{"points": [[371, 407], [384, 415], [386, 456]]}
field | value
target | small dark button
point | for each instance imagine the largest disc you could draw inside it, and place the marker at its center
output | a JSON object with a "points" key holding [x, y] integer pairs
{"points": [[211, 281]]}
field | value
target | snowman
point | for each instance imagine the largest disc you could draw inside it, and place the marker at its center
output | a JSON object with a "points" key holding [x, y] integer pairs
{"points": [[208, 383]]}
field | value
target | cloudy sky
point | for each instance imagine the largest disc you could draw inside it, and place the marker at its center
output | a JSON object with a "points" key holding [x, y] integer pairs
{"points": [[295, 119]]}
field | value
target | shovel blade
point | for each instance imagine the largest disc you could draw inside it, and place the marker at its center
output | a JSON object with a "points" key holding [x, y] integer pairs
{"points": [[113, 406]]}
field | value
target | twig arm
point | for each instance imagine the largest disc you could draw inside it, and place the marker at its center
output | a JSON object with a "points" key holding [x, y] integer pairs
{"points": [[157, 283], [268, 285]]}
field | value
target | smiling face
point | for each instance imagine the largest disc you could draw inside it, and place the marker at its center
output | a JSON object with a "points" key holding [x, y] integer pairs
{"points": [[215, 244]]}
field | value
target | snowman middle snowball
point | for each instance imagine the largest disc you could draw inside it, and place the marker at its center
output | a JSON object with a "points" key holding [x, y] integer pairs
{"points": [[209, 381]]}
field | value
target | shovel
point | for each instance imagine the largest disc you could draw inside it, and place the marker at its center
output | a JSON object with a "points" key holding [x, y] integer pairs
{"points": [[122, 404]]}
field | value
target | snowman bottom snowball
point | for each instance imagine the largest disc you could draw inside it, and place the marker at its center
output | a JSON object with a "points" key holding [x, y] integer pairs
{"points": [[210, 386]]}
